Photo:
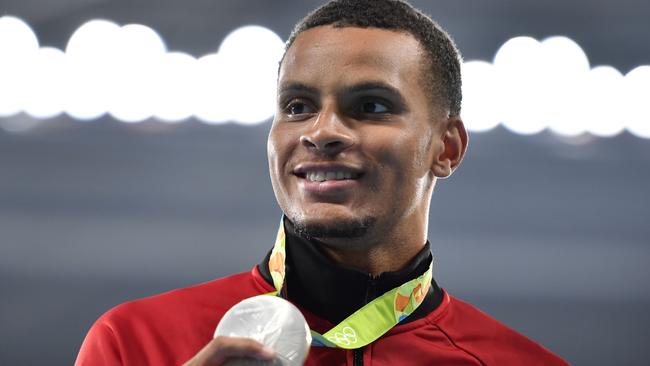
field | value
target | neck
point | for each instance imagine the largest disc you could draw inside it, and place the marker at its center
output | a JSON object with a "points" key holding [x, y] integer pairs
{"points": [[378, 253], [374, 260], [334, 291]]}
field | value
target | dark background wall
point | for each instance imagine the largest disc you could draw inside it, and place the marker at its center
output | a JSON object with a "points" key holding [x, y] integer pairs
{"points": [[548, 234]]}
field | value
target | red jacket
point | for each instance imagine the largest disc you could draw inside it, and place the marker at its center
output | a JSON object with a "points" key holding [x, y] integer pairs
{"points": [[170, 328]]}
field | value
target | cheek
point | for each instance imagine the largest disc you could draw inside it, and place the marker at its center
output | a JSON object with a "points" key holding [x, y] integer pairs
{"points": [[404, 154], [279, 148], [274, 151], [423, 153]]}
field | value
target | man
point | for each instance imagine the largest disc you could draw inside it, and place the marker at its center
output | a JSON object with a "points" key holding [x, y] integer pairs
{"points": [[367, 121]]}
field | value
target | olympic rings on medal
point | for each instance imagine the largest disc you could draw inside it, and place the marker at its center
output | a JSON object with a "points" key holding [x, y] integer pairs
{"points": [[346, 336]]}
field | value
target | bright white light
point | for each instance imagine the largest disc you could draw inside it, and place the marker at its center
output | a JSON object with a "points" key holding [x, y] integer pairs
{"points": [[549, 84], [210, 91], [518, 64], [251, 41], [91, 53], [140, 40], [562, 84], [565, 55], [48, 73], [603, 102], [128, 72], [134, 86], [175, 75], [479, 112], [250, 56], [637, 111], [93, 40], [18, 44], [16, 37], [541, 84]]}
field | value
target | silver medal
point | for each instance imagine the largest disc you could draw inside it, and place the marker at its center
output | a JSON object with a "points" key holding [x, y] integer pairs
{"points": [[272, 321]]}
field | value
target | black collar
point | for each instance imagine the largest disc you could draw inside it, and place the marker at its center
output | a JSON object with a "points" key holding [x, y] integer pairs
{"points": [[332, 291]]}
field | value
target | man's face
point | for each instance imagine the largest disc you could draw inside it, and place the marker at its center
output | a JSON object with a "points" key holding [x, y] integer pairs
{"points": [[355, 134]]}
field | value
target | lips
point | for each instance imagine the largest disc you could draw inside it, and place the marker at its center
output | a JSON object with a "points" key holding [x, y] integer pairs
{"points": [[326, 172], [327, 179], [321, 176]]}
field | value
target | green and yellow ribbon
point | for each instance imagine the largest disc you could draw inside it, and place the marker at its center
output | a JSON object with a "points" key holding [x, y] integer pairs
{"points": [[370, 322]]}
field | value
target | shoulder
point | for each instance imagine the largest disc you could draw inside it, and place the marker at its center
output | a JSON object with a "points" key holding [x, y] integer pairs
{"points": [[486, 338], [186, 303], [218, 294], [168, 327]]}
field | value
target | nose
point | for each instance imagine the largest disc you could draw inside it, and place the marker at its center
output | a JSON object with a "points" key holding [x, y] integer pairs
{"points": [[328, 134]]}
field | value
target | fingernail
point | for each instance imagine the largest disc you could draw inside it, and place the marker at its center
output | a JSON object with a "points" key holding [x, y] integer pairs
{"points": [[268, 352]]}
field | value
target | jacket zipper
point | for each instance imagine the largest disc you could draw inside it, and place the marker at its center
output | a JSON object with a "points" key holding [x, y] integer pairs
{"points": [[357, 357], [357, 354]]}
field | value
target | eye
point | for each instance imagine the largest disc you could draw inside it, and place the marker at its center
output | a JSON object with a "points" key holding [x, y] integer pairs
{"points": [[298, 107], [374, 107]]}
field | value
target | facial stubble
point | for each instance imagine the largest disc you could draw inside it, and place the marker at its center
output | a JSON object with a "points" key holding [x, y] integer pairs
{"points": [[338, 229]]}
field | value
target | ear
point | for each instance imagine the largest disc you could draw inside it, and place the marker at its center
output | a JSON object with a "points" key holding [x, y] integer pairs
{"points": [[454, 145]]}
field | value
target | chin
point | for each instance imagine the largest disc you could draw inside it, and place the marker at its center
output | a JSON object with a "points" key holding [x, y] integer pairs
{"points": [[332, 225]]}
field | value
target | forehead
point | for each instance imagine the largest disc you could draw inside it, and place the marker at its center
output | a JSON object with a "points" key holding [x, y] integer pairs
{"points": [[327, 57]]}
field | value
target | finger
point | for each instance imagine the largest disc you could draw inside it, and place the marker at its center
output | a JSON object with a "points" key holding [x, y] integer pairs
{"points": [[222, 348], [240, 347]]}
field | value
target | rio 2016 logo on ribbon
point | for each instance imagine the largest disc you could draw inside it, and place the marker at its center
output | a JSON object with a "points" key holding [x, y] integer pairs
{"points": [[346, 336]]}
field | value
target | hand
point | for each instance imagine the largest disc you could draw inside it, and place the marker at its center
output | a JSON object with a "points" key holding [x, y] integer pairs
{"points": [[222, 349]]}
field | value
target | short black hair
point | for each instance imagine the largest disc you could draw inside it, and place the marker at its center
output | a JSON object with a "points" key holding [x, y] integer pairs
{"points": [[442, 79]]}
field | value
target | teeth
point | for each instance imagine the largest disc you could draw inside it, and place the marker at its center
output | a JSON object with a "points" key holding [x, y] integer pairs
{"points": [[323, 176]]}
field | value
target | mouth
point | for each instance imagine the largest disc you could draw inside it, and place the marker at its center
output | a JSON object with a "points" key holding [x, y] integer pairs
{"points": [[328, 181], [327, 172], [322, 176]]}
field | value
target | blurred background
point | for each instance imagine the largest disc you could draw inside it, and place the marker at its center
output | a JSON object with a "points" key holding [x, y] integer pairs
{"points": [[133, 161]]}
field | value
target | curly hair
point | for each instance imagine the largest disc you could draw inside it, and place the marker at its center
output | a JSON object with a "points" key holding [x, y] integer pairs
{"points": [[442, 72]]}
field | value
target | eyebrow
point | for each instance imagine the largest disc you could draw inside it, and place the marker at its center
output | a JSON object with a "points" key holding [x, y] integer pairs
{"points": [[296, 87], [379, 87], [376, 87], [371, 86]]}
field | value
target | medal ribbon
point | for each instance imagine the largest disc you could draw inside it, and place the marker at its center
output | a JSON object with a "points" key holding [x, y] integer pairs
{"points": [[371, 321]]}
